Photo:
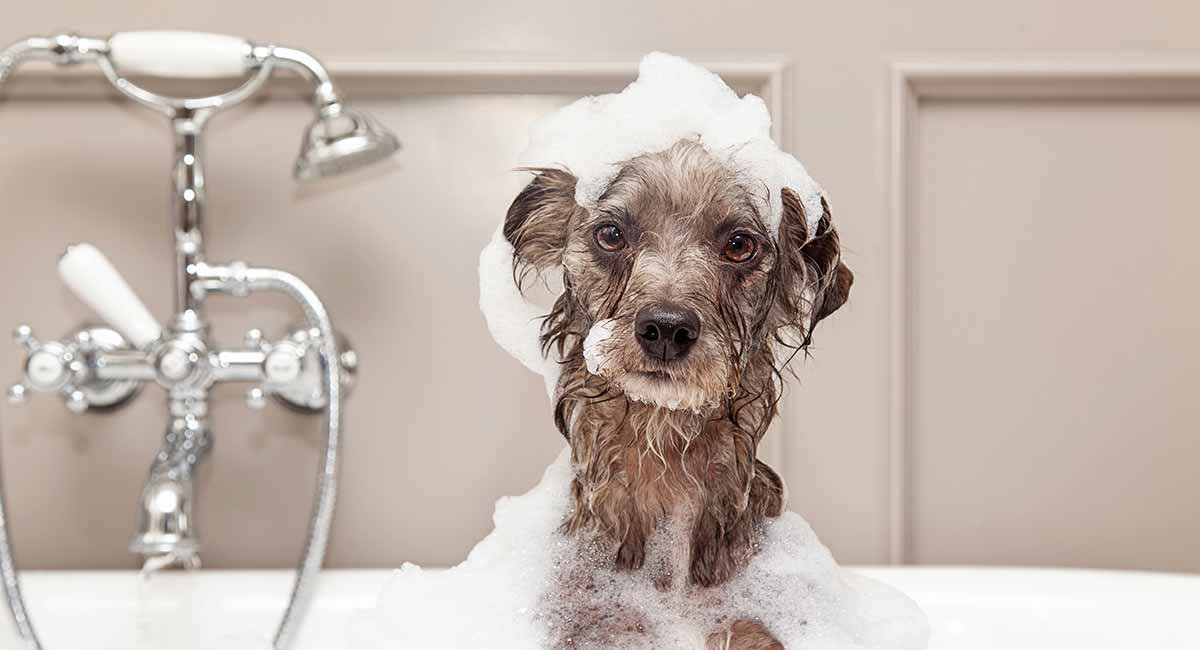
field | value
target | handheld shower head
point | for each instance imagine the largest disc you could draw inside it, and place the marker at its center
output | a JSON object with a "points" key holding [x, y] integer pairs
{"points": [[341, 140]]}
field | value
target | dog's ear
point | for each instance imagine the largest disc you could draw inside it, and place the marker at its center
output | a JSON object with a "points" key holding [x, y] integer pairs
{"points": [[815, 281], [538, 219]]}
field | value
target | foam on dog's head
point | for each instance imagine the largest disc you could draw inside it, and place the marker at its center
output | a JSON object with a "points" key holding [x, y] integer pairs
{"points": [[595, 350], [671, 100]]}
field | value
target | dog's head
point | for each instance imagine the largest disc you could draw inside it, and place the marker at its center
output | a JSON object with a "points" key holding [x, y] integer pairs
{"points": [[676, 289]]}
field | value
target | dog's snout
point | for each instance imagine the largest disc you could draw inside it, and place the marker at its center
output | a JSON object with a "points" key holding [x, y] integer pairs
{"points": [[666, 332]]}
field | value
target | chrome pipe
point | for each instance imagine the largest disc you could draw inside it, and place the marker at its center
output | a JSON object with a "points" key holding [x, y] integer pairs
{"points": [[325, 93], [63, 49], [12, 584], [21, 51], [239, 280], [188, 205], [123, 365], [238, 365]]}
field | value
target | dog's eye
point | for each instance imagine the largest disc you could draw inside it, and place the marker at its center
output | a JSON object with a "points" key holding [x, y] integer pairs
{"points": [[610, 238], [740, 248]]}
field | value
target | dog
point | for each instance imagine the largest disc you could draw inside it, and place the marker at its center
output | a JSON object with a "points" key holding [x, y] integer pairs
{"points": [[702, 305]]}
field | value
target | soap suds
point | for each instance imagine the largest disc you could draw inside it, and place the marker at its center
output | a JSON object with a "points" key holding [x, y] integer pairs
{"points": [[672, 99], [514, 322], [511, 594], [594, 349]]}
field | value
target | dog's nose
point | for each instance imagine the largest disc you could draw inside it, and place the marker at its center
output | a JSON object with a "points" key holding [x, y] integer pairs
{"points": [[666, 332]]}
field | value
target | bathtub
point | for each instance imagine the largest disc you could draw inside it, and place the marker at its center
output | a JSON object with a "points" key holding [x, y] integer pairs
{"points": [[969, 608]]}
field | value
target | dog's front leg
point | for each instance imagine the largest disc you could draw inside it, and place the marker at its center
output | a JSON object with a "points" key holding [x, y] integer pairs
{"points": [[723, 532], [612, 513], [631, 554], [721, 539], [630, 529], [768, 496], [724, 526]]}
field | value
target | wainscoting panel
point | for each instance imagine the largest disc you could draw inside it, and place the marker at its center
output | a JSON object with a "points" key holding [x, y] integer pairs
{"points": [[1045, 368]]}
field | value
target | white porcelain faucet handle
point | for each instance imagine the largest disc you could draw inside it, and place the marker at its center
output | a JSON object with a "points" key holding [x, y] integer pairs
{"points": [[94, 280], [189, 55]]}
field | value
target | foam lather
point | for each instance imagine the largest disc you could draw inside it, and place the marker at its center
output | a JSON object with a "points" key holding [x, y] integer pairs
{"points": [[94, 280], [671, 99], [506, 595]]}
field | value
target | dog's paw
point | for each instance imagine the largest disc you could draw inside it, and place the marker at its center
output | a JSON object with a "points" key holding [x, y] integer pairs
{"points": [[631, 555], [706, 566], [710, 562], [767, 492], [743, 635], [718, 552]]}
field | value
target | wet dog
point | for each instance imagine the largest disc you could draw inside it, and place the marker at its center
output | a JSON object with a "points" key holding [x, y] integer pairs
{"points": [[680, 311]]}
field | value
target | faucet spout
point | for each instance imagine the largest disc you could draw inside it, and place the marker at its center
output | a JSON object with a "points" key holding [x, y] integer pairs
{"points": [[167, 533]]}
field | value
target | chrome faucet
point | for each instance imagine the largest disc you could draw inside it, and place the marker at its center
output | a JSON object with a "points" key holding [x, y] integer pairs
{"points": [[104, 367]]}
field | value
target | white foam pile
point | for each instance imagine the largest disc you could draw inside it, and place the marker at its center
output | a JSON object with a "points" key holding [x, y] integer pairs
{"points": [[594, 351], [672, 99], [508, 594]]}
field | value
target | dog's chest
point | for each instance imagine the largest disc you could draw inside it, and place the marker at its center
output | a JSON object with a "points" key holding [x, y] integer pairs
{"points": [[659, 464]]}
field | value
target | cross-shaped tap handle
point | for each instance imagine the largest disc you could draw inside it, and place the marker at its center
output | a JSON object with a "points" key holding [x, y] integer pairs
{"points": [[50, 367]]}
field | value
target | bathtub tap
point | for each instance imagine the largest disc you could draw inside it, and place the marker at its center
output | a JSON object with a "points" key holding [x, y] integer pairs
{"points": [[309, 368], [165, 533]]}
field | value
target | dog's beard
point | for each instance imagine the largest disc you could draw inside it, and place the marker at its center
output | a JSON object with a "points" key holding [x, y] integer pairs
{"points": [[658, 389], [603, 358]]}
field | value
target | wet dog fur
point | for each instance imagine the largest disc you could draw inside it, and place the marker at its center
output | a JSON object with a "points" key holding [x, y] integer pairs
{"points": [[665, 434]]}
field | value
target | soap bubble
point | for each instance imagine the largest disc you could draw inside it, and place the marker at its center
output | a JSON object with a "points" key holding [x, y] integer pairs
{"points": [[497, 598], [672, 99]]}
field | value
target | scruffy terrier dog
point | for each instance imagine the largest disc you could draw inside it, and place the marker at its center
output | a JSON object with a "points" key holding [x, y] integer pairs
{"points": [[706, 306]]}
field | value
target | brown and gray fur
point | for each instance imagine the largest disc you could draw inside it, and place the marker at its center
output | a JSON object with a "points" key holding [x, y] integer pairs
{"points": [[639, 464]]}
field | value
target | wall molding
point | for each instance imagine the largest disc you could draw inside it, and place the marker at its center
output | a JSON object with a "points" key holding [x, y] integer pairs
{"points": [[381, 79], [912, 81], [376, 79]]}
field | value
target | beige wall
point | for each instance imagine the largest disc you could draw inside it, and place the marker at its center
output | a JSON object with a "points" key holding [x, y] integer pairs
{"points": [[1017, 392]]}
